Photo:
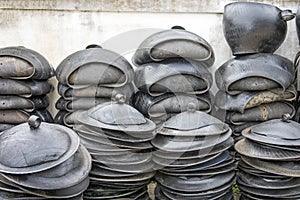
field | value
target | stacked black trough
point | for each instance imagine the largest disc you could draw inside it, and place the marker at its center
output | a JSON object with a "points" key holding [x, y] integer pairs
{"points": [[269, 167], [256, 85], [118, 138], [192, 158], [90, 77], [24, 86], [297, 67], [172, 71], [51, 164]]}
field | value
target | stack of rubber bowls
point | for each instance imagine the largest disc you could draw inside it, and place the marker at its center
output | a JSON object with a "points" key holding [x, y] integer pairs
{"points": [[172, 71], [90, 77], [39, 160], [297, 66], [118, 138], [24, 86], [269, 166], [192, 157], [256, 85]]}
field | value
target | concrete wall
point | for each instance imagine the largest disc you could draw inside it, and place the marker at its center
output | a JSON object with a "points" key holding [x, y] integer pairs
{"points": [[57, 28]]}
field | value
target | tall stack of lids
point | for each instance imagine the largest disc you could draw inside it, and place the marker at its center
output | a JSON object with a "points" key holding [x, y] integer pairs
{"points": [[192, 157], [256, 85], [39, 160], [172, 71], [24, 86], [118, 139], [90, 77], [269, 166]]}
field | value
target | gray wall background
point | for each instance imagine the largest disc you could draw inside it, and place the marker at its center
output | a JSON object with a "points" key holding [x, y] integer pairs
{"points": [[57, 28]]}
